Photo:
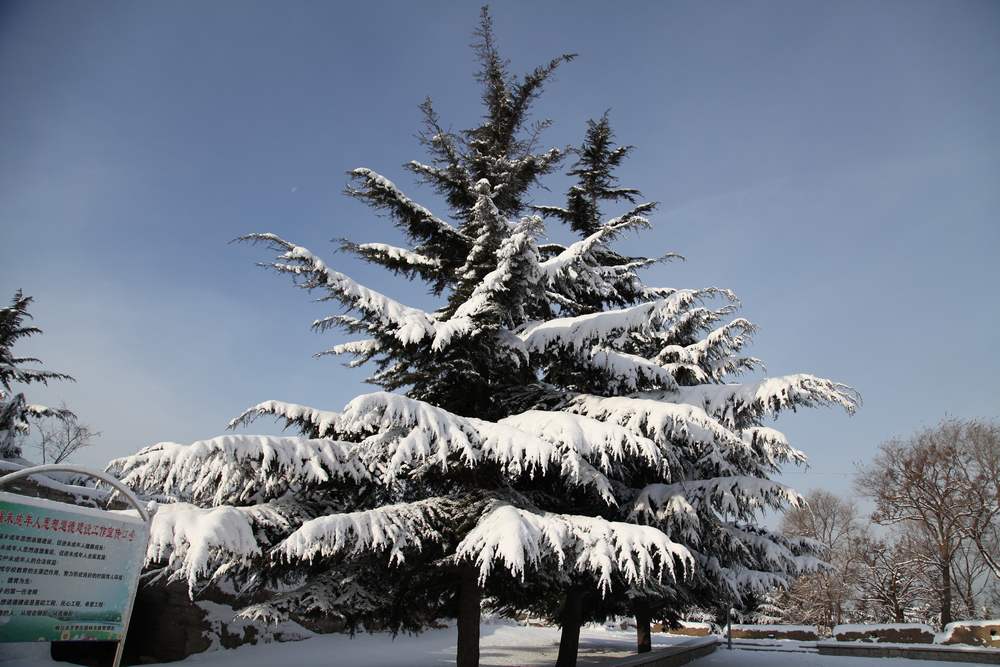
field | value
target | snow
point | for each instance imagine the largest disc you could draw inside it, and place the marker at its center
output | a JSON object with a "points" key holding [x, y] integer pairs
{"points": [[52, 481], [578, 272], [581, 250], [601, 443], [695, 625], [731, 495], [410, 325], [222, 619], [717, 352], [583, 331], [198, 542], [734, 403], [422, 432], [773, 444], [292, 413], [518, 452], [775, 628], [236, 468], [630, 370], [400, 254], [945, 634], [519, 539], [390, 527], [664, 423], [871, 627], [517, 259], [754, 657], [503, 645], [975, 624], [937, 648], [363, 349], [387, 188]]}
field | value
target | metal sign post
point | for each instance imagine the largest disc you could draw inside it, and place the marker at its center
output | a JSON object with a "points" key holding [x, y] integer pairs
{"points": [[45, 542]]}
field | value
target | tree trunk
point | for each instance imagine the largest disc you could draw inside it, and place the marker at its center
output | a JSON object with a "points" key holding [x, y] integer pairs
{"points": [[469, 595], [643, 638], [946, 593], [571, 619], [897, 608]]}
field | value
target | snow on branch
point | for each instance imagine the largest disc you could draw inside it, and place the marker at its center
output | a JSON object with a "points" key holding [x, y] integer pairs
{"points": [[740, 580], [236, 468], [397, 254], [317, 423], [629, 267], [391, 528], [402, 431], [199, 543], [738, 404], [516, 539], [492, 298], [582, 250], [603, 444], [630, 372], [664, 423], [772, 445], [771, 550], [582, 332], [410, 325], [362, 350], [738, 495], [418, 222], [717, 352], [394, 258]]}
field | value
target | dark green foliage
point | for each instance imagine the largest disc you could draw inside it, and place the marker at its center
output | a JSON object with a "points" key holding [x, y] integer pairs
{"points": [[594, 169], [15, 411]]}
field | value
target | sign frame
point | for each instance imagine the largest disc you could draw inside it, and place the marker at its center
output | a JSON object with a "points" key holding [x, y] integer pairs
{"points": [[128, 495]]}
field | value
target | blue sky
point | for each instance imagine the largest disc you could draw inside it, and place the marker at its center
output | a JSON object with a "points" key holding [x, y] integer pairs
{"points": [[837, 164]]}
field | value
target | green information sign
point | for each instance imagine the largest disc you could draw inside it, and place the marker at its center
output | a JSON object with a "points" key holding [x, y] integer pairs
{"points": [[66, 572]]}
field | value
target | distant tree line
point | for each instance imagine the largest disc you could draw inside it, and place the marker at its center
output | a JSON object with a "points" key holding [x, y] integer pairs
{"points": [[929, 551]]}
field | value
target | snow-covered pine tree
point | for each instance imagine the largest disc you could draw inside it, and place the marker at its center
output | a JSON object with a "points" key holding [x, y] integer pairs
{"points": [[554, 420], [16, 413]]}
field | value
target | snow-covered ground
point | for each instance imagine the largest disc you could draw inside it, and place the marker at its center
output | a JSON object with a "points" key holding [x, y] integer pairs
{"points": [[757, 658], [503, 645]]}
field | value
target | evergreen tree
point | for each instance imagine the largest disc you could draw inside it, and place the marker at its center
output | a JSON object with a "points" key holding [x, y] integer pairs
{"points": [[556, 426], [16, 414]]}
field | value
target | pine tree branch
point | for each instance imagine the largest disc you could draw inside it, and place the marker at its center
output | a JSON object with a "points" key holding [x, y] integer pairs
{"points": [[406, 324]]}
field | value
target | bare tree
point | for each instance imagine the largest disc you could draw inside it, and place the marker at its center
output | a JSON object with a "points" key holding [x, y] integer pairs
{"points": [[59, 439], [980, 442], [992, 600], [970, 577], [918, 485], [890, 584], [824, 597]]}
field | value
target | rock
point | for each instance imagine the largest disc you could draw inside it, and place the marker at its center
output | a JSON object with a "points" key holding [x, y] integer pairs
{"points": [[690, 629], [802, 633], [167, 626], [911, 633], [973, 633]]}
